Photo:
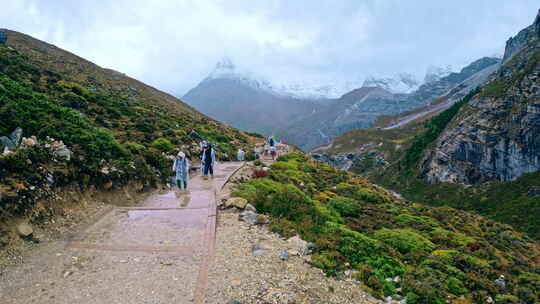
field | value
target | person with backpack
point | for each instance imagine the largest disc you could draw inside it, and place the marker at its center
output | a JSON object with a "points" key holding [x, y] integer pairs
{"points": [[181, 168], [241, 154], [208, 160]]}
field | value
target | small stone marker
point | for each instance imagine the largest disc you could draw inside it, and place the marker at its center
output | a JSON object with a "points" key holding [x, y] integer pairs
{"points": [[24, 229]]}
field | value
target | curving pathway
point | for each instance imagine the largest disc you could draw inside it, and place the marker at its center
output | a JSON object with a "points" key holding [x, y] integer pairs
{"points": [[159, 252]]}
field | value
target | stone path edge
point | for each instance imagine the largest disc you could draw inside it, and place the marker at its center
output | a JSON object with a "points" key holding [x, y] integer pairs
{"points": [[210, 244]]}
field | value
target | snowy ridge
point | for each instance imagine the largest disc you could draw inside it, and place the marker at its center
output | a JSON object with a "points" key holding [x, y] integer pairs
{"points": [[403, 83], [225, 69], [435, 73]]}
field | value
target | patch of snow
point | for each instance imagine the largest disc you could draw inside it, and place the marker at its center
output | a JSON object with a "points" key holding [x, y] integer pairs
{"points": [[401, 83], [435, 73], [225, 69]]}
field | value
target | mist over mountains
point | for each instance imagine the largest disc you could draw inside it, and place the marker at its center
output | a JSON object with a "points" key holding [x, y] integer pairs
{"points": [[308, 115]]}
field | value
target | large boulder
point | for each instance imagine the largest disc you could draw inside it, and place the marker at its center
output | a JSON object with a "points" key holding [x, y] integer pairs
{"points": [[237, 202], [249, 217], [24, 229]]}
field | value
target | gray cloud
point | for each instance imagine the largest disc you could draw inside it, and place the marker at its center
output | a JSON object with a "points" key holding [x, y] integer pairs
{"points": [[174, 44]]}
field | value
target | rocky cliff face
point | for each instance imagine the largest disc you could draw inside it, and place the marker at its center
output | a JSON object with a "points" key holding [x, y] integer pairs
{"points": [[497, 135], [525, 37]]}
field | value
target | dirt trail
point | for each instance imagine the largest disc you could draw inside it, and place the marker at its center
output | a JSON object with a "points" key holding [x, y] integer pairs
{"points": [[159, 252]]}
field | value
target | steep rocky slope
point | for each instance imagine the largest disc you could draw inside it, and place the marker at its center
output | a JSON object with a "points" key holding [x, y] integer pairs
{"points": [[354, 110], [488, 139], [496, 136], [87, 126], [360, 108]]}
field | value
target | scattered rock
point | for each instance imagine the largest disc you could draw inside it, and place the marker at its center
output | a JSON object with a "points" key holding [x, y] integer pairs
{"points": [[67, 274], [533, 191], [284, 255], [108, 185], [6, 151], [237, 202], [236, 282], [257, 250], [249, 217], [293, 252], [29, 142], [262, 220], [24, 229], [60, 150], [302, 246], [50, 179], [249, 207], [105, 170]]}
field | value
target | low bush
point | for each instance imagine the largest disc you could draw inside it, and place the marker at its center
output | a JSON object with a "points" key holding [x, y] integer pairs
{"points": [[439, 253], [404, 240], [345, 206]]}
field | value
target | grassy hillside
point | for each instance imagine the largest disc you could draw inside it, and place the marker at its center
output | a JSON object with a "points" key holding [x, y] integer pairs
{"points": [[427, 254], [516, 203], [118, 129]]}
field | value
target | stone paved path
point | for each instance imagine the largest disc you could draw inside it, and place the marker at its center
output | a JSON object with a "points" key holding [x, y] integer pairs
{"points": [[159, 252]]}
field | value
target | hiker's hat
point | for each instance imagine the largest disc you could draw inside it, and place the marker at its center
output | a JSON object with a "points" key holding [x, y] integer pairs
{"points": [[181, 154]]}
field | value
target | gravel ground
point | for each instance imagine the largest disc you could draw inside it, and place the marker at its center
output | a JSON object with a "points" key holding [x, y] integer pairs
{"points": [[238, 275], [145, 254], [50, 272]]}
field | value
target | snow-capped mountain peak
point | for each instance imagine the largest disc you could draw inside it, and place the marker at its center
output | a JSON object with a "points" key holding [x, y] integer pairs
{"points": [[226, 69], [401, 83], [435, 73]]}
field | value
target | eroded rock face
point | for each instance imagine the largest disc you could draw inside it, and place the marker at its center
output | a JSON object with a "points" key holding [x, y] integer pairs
{"points": [[525, 37], [497, 135]]}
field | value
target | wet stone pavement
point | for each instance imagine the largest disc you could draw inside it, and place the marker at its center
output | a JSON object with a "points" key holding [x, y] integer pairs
{"points": [[157, 252]]}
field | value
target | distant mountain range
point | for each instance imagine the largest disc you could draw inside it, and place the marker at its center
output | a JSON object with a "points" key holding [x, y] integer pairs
{"points": [[308, 116]]}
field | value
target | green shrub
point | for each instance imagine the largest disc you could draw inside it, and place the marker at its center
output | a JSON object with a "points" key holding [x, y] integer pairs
{"points": [[506, 299], [439, 253], [404, 240], [455, 286], [389, 289], [327, 261], [359, 193], [424, 223], [135, 148], [345, 206], [163, 145]]}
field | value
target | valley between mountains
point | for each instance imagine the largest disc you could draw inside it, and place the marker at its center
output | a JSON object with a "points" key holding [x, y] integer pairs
{"points": [[395, 190]]}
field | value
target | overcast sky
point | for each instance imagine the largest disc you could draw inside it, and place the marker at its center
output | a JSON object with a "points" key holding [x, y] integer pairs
{"points": [[173, 44]]}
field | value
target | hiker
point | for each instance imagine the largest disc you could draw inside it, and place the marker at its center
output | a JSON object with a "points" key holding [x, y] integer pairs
{"points": [[203, 145], [272, 142], [273, 152], [257, 151], [241, 154], [181, 167], [208, 160]]}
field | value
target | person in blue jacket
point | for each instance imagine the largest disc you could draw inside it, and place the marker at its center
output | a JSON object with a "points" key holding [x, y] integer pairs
{"points": [[181, 168], [208, 160]]}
